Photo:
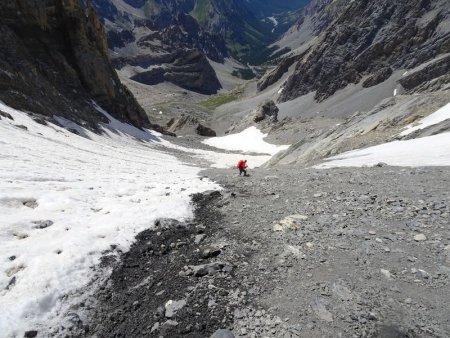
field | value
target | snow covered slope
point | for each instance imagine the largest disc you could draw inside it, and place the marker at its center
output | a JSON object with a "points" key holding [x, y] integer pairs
{"points": [[417, 152], [65, 199]]}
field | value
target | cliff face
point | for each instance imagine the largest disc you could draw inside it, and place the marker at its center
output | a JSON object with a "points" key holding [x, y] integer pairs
{"points": [[54, 61], [366, 41]]}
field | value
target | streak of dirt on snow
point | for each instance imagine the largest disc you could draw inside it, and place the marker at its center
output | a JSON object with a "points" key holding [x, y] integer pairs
{"points": [[92, 191], [426, 151]]}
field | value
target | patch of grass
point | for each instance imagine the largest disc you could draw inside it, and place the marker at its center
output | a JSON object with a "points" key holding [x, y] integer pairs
{"points": [[200, 11], [218, 100]]}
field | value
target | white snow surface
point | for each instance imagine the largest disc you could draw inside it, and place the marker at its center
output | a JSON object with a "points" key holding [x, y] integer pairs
{"points": [[426, 151], [98, 190], [251, 140], [435, 118]]}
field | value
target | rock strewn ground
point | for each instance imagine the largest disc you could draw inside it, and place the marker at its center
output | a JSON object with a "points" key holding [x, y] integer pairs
{"points": [[360, 253]]}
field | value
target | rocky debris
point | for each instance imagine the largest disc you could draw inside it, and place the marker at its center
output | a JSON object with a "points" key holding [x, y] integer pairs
{"points": [[293, 222], [321, 311], [208, 269], [265, 116], [187, 124], [135, 301], [331, 277], [67, 64], [364, 40], [222, 333], [210, 252], [171, 307]]}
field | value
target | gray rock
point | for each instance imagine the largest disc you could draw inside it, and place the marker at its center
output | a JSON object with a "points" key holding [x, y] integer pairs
{"points": [[173, 306], [420, 238], [199, 238], [43, 224], [210, 251], [222, 333]]}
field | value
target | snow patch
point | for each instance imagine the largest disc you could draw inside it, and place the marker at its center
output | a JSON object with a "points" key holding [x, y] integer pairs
{"points": [[425, 151], [66, 198], [251, 140], [431, 120]]}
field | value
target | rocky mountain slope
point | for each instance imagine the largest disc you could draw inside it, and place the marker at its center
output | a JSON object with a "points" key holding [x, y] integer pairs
{"points": [[367, 41], [54, 61], [172, 40]]}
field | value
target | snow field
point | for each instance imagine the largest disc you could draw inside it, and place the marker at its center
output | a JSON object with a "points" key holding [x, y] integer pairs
{"points": [[425, 151], [250, 140], [437, 117], [65, 199]]}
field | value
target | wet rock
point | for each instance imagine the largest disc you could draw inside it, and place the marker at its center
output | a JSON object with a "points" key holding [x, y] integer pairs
{"points": [[31, 334], [6, 115], [31, 204], [43, 224]]}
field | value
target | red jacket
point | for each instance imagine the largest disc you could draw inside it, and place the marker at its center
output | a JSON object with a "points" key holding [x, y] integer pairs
{"points": [[242, 165]]}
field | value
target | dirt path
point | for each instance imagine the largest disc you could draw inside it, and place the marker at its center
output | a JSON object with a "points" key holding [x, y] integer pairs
{"points": [[293, 253]]}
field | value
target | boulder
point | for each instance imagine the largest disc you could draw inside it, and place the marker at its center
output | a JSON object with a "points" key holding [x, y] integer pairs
{"points": [[205, 131], [268, 110]]}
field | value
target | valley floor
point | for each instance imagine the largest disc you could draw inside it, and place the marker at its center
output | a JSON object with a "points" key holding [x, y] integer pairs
{"points": [[292, 253]]}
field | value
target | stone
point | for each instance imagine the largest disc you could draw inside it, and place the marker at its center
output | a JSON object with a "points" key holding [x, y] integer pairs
{"points": [[292, 222], [223, 333], [210, 269], [199, 238], [209, 251], [43, 224], [31, 204], [173, 306], [321, 311], [205, 131], [267, 110], [420, 238], [386, 273], [31, 334]]}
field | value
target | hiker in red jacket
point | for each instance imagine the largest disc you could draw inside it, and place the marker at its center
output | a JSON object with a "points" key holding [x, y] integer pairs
{"points": [[242, 165]]}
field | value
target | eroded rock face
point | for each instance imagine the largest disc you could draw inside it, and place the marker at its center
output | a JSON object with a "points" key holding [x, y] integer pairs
{"points": [[187, 124], [370, 39], [54, 61], [267, 111]]}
